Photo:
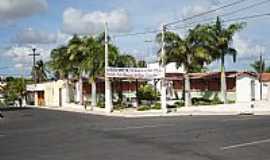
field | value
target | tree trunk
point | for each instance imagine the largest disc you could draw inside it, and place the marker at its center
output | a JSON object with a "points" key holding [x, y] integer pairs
{"points": [[223, 81], [187, 91], [94, 94], [81, 90], [120, 91], [155, 84], [67, 91], [137, 95]]}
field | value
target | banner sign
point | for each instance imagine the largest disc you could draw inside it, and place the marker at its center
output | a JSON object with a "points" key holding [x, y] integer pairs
{"points": [[135, 73]]}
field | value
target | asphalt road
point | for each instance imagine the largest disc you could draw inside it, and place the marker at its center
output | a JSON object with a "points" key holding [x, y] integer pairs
{"points": [[36, 134]]}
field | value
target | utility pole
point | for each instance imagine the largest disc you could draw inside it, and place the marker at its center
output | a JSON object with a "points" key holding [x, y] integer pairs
{"points": [[261, 72], [148, 46], [163, 97], [108, 91], [34, 63]]}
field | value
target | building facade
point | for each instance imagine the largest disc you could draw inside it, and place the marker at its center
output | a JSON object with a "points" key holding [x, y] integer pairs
{"points": [[241, 87]]}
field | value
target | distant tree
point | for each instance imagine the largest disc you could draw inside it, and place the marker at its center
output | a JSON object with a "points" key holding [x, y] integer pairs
{"points": [[15, 89], [59, 63], [39, 72], [259, 66], [141, 64]]}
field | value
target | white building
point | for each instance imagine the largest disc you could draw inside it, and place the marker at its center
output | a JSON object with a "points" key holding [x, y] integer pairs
{"points": [[170, 68], [248, 88], [54, 93]]}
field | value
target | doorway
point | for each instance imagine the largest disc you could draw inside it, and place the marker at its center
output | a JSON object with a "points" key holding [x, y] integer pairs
{"points": [[41, 98]]}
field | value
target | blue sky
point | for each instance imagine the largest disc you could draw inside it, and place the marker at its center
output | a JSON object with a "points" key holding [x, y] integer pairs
{"points": [[46, 24]]}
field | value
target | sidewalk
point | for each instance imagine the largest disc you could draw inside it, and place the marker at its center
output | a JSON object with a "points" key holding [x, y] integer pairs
{"points": [[260, 108]]}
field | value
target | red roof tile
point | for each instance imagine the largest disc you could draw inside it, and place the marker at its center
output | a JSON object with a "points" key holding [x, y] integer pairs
{"points": [[265, 77]]}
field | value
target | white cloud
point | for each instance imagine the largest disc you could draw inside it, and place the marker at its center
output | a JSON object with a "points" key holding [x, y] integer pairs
{"points": [[19, 55], [246, 47], [194, 10], [62, 38], [11, 10], [78, 22], [248, 51], [31, 36]]}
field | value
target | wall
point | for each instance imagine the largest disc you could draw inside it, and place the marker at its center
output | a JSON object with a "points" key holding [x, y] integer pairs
{"points": [[51, 92], [231, 95], [243, 89], [170, 68]]}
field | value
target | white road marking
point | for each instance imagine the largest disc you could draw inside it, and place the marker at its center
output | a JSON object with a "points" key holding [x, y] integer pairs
{"points": [[245, 144], [138, 127]]}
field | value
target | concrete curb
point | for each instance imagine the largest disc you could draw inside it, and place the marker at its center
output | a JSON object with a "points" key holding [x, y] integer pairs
{"points": [[186, 111]]}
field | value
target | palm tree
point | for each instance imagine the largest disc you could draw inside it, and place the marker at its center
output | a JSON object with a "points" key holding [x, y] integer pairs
{"points": [[93, 60], [93, 63], [39, 71], [58, 63], [140, 64], [188, 52], [124, 60], [75, 57], [219, 41]]}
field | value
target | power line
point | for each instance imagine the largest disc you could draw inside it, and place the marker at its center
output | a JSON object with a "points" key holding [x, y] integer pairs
{"points": [[201, 14], [205, 20], [137, 33], [229, 20], [207, 12], [231, 13], [244, 8], [248, 17]]}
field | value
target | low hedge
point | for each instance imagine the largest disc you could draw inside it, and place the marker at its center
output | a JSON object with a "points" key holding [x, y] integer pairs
{"points": [[156, 106]]}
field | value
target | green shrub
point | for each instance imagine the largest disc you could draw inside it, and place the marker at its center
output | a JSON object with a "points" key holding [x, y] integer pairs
{"points": [[206, 101], [2, 104], [231, 102], [216, 100], [147, 92], [120, 106], [179, 104], [156, 106], [144, 108], [101, 104], [200, 101]]}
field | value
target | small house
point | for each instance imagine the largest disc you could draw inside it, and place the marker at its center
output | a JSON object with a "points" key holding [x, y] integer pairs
{"points": [[54, 93], [241, 86]]}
